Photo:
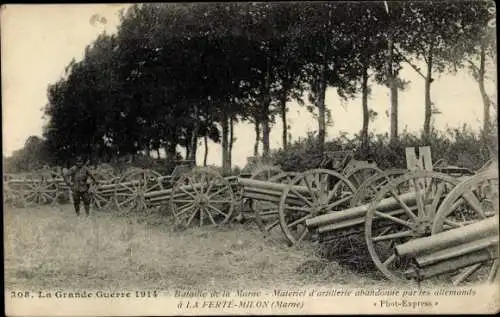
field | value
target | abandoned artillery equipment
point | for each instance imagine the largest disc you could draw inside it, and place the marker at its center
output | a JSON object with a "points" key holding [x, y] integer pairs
{"points": [[455, 254], [33, 189], [327, 190], [401, 211], [202, 196], [356, 215], [417, 223]]}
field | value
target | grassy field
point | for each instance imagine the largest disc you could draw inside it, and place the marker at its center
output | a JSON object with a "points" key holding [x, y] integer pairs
{"points": [[53, 248]]}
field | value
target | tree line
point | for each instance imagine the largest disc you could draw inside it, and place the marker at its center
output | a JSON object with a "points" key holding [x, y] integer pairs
{"points": [[175, 74]]}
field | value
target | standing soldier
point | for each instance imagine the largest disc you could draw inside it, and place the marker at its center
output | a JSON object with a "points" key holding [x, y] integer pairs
{"points": [[77, 180]]}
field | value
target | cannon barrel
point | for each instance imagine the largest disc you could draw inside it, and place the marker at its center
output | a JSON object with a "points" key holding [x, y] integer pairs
{"points": [[450, 238], [450, 265], [348, 223], [386, 204], [276, 187], [271, 198], [456, 251], [166, 197]]}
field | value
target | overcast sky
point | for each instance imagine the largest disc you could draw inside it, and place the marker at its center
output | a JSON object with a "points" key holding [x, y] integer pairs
{"points": [[38, 41]]}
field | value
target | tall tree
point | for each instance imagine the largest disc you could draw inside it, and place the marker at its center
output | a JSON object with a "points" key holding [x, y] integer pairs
{"points": [[430, 31]]}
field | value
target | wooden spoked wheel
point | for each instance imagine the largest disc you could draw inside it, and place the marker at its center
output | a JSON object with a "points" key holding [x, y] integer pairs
{"points": [[12, 193], [103, 192], [312, 193], [395, 218], [266, 213], [359, 174], [472, 200], [39, 189], [369, 188], [130, 190], [202, 197]]}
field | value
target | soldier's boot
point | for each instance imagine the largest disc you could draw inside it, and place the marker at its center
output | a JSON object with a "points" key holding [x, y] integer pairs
{"points": [[77, 209], [87, 210]]}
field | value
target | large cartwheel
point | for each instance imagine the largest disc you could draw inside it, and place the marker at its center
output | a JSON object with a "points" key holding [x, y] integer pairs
{"points": [[202, 197], [367, 190], [407, 217], [103, 193], [325, 191], [472, 201], [357, 174], [39, 188], [131, 188]]}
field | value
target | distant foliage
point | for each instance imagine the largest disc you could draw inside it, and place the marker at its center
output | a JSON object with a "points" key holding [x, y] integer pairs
{"points": [[174, 73], [460, 146], [34, 155]]}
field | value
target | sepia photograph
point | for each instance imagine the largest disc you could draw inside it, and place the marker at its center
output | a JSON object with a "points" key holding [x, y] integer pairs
{"points": [[250, 158]]}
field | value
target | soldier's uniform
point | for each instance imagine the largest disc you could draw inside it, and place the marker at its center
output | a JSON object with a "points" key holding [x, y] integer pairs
{"points": [[80, 187]]}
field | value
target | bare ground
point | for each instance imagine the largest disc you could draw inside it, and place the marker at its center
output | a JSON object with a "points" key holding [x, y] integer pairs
{"points": [[50, 247]]}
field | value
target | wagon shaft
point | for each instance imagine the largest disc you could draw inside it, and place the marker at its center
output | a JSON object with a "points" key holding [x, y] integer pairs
{"points": [[447, 239], [387, 204]]}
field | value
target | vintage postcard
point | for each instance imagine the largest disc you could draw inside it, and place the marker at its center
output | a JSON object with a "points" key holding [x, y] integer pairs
{"points": [[250, 158]]}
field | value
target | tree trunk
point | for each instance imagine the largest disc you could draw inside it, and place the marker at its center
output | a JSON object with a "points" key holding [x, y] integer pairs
{"points": [[428, 101], [265, 110], [321, 117], [394, 109], [482, 89], [393, 129], [322, 91], [283, 119], [366, 113], [148, 152], [226, 167], [266, 131], [257, 139], [205, 139], [194, 137], [171, 151], [158, 153], [320, 104], [165, 148], [231, 141]]}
